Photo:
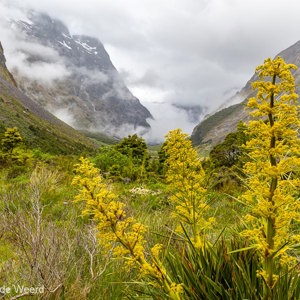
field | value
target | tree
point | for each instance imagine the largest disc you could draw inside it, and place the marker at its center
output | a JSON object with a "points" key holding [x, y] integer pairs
{"points": [[13, 152], [12, 138], [185, 176], [274, 151], [226, 159], [133, 146], [162, 156], [230, 151]]}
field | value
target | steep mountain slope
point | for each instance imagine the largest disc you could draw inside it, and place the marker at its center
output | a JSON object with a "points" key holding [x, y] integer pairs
{"points": [[90, 95], [5, 74], [39, 128], [214, 128]]}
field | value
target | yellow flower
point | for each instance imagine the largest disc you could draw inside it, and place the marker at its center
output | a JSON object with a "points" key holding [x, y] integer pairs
{"points": [[273, 171], [116, 231], [156, 250], [185, 177]]}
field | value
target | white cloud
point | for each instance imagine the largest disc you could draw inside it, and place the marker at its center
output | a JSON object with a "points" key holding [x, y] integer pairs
{"points": [[65, 115], [166, 118], [17, 51], [50, 71]]}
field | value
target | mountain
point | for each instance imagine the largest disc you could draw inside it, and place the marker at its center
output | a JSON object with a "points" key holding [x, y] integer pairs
{"points": [[5, 74], [90, 94], [38, 127], [214, 128]]}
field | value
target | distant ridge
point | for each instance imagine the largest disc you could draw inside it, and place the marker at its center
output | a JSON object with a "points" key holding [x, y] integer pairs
{"points": [[214, 128]]}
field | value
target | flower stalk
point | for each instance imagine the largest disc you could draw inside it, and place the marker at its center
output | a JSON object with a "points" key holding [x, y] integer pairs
{"points": [[115, 230], [273, 171], [185, 177]]}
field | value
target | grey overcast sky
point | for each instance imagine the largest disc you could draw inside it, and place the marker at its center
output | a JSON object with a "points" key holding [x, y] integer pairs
{"points": [[189, 52]]}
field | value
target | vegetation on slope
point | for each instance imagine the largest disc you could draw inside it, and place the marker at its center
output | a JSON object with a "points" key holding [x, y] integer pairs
{"points": [[214, 128], [169, 226], [41, 129]]}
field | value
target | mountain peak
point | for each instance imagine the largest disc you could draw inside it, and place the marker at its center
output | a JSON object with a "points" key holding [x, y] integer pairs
{"points": [[41, 23], [92, 95]]}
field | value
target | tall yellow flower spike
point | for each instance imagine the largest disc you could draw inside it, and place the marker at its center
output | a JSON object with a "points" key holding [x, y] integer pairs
{"points": [[115, 230], [274, 168], [185, 176]]}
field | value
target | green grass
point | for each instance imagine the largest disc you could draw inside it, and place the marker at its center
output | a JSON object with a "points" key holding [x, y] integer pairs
{"points": [[211, 273]]}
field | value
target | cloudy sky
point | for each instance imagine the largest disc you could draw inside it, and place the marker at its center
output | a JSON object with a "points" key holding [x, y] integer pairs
{"points": [[188, 52]]}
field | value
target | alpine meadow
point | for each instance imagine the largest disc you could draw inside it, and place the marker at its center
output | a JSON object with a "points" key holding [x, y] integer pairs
{"points": [[118, 219]]}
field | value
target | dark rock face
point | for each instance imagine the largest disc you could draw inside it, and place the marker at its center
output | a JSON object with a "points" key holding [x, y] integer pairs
{"points": [[213, 129], [93, 93], [3, 69], [2, 57]]}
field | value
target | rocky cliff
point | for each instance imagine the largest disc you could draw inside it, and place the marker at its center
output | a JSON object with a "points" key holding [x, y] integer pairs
{"points": [[3, 69], [91, 95]]}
